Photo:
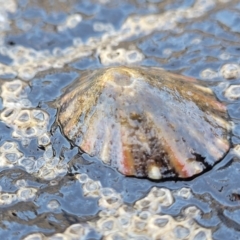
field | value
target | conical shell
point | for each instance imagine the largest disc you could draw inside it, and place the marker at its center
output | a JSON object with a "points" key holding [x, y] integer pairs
{"points": [[146, 122]]}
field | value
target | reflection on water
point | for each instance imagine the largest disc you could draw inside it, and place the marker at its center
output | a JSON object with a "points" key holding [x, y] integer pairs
{"points": [[47, 187]]}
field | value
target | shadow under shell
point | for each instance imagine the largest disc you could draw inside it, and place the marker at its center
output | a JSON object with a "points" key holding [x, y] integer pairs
{"points": [[146, 122]]}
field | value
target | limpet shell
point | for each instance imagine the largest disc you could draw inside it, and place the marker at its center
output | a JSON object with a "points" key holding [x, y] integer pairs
{"points": [[145, 122]]}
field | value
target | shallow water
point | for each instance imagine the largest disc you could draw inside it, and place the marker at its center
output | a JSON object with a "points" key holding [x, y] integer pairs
{"points": [[44, 187]]}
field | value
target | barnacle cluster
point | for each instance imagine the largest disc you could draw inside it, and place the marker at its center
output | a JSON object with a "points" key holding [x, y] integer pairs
{"points": [[27, 123], [142, 220], [27, 61], [23, 193]]}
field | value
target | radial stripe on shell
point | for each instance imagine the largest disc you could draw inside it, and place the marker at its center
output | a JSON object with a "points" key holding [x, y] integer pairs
{"points": [[146, 122]]}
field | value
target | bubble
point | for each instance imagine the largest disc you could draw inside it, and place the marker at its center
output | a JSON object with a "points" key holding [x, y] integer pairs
{"points": [[230, 71]]}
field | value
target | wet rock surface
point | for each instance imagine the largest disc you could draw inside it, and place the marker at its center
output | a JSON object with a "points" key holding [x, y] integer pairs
{"points": [[49, 190]]}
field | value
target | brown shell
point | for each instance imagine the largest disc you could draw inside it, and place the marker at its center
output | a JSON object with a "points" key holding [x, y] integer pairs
{"points": [[146, 122]]}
